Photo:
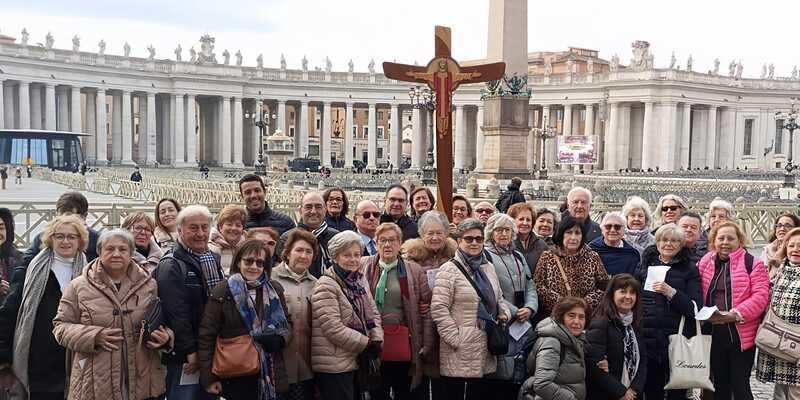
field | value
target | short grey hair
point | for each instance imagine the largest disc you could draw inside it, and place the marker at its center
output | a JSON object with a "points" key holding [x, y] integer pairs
{"points": [[634, 203], [670, 230], [579, 190], [117, 233], [469, 224], [432, 216], [659, 217], [499, 221], [343, 240], [719, 204], [193, 211], [613, 215]]}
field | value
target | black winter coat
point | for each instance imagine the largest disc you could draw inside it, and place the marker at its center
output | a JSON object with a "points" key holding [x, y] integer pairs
{"points": [[661, 315], [406, 224], [605, 339], [269, 218]]}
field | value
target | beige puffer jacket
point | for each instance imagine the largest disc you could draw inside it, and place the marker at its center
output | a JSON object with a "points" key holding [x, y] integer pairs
{"points": [[297, 292], [454, 308], [91, 303], [334, 345]]}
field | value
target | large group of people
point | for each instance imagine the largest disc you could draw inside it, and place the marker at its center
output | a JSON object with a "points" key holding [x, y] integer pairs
{"points": [[392, 301]]}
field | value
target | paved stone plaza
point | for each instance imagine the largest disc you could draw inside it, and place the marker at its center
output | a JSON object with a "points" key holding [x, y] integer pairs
{"points": [[36, 190]]}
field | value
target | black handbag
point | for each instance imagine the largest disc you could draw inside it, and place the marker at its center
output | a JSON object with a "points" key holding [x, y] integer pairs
{"points": [[152, 320], [496, 332]]}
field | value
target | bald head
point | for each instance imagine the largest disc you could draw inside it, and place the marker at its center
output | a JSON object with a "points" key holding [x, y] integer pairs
{"points": [[312, 209], [367, 225]]}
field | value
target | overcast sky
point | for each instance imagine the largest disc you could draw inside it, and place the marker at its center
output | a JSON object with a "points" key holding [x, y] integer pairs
{"points": [[403, 30]]}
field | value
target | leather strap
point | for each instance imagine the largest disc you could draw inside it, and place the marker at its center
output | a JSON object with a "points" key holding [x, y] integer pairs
{"points": [[563, 276]]}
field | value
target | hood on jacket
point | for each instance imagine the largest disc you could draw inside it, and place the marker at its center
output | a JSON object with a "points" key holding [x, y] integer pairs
{"points": [[548, 327], [282, 271], [217, 239], [416, 251]]}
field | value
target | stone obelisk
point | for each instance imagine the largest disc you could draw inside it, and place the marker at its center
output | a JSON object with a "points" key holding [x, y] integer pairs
{"points": [[505, 117]]}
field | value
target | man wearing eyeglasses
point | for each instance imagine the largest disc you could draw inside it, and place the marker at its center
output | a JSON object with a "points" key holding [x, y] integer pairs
{"points": [[367, 220], [579, 206], [618, 256], [312, 219], [395, 203]]}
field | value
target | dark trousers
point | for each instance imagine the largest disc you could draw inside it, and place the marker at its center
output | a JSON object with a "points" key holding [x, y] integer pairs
{"points": [[242, 388], [657, 377], [503, 389], [341, 386], [730, 366], [429, 389], [47, 396], [466, 388], [394, 379]]}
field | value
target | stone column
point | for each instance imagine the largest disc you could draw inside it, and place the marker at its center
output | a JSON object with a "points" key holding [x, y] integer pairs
{"points": [[238, 132], [101, 120], [127, 129], [711, 142], [2, 106], [348, 135], [648, 139], [668, 113], [36, 107], [624, 136], [191, 131], [8, 107], [611, 149], [150, 133], [479, 139], [281, 121], [686, 135], [116, 128], [303, 131], [566, 127], [531, 148], [75, 122], [90, 142], [142, 144], [461, 140], [50, 106], [588, 129], [225, 130], [396, 136], [372, 139], [325, 145], [550, 145], [24, 105], [417, 142], [727, 138], [62, 112], [178, 124]]}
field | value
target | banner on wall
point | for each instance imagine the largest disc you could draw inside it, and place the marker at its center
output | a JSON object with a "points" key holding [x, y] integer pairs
{"points": [[577, 150]]}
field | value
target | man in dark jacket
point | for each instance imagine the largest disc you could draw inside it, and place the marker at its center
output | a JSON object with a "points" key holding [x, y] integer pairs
{"points": [[185, 277], [312, 210], [259, 215], [68, 203], [579, 205], [618, 256], [692, 224], [394, 210], [511, 196]]}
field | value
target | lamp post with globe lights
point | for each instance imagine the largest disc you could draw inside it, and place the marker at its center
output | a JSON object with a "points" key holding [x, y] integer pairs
{"points": [[544, 133], [788, 121], [262, 119]]}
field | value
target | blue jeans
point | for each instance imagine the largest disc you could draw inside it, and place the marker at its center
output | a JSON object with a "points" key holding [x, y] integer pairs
{"points": [[175, 391]]}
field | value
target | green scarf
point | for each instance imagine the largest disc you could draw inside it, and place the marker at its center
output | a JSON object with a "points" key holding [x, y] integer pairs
{"points": [[380, 289]]}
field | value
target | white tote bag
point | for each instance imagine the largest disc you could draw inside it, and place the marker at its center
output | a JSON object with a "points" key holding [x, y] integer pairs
{"points": [[689, 360]]}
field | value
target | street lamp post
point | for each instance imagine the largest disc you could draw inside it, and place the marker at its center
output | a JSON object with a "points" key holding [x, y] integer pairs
{"points": [[543, 134], [261, 119], [425, 99], [789, 122]]}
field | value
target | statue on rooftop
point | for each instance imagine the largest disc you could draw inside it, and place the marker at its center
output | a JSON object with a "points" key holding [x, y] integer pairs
{"points": [[238, 56]]}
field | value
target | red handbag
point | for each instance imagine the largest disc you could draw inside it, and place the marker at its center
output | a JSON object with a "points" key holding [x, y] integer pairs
{"points": [[396, 343]]}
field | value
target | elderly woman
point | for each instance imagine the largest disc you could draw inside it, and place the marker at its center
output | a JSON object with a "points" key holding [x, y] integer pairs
{"points": [[337, 207], [402, 296], [618, 256], [298, 284], [557, 360], [669, 210], [8, 252], [615, 337], [530, 244], [737, 284], [112, 354], [147, 253], [665, 303], [544, 224], [570, 268], [519, 295], [268, 236], [784, 303], [247, 303], [483, 211], [346, 329], [464, 317], [636, 212], [783, 224], [166, 232], [421, 200], [228, 235], [28, 349], [462, 210]]}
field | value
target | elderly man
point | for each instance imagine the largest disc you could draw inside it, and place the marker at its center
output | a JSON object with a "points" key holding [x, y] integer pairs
{"points": [[618, 256], [483, 211], [185, 278], [312, 219], [579, 204], [259, 215], [394, 210], [692, 225], [367, 218]]}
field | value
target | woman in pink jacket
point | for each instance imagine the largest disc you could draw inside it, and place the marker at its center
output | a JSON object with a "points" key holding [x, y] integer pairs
{"points": [[737, 284]]}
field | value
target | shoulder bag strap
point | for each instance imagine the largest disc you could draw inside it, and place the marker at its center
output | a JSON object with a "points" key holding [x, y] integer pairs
{"points": [[563, 275], [471, 282]]}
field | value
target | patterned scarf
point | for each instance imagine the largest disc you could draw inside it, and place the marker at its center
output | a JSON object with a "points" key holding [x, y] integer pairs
{"points": [[355, 293], [630, 350], [326, 259], [482, 282], [272, 321], [209, 267], [380, 287]]}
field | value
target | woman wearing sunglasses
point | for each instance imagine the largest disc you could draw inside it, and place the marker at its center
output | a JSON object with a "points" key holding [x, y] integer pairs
{"points": [[669, 210], [619, 256]]}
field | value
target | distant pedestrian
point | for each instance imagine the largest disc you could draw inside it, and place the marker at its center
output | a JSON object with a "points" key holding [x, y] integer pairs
{"points": [[3, 176], [18, 176], [136, 176], [29, 170]]}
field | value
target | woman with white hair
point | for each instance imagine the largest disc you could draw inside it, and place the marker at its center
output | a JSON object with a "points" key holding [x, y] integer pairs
{"points": [[346, 330], [669, 210], [637, 213], [618, 256], [719, 211], [519, 295]]}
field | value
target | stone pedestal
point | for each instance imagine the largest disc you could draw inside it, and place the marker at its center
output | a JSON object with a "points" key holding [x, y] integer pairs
{"points": [[505, 131]]}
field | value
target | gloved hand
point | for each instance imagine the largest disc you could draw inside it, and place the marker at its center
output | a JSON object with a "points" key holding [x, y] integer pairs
{"points": [[374, 349], [271, 343]]}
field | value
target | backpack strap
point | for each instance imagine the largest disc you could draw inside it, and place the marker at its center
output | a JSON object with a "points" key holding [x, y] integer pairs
{"points": [[748, 262], [472, 282]]}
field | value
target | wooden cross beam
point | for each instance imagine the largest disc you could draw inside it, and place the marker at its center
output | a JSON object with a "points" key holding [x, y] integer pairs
{"points": [[443, 75]]}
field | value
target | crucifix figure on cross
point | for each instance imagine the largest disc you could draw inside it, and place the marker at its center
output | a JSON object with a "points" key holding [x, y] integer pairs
{"points": [[443, 75]]}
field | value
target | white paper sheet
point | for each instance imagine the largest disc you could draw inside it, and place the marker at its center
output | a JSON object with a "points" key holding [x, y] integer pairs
{"points": [[518, 329], [704, 313], [189, 379], [655, 273], [431, 275]]}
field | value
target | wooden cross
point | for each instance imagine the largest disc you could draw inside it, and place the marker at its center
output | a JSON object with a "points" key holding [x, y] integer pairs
{"points": [[443, 75]]}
